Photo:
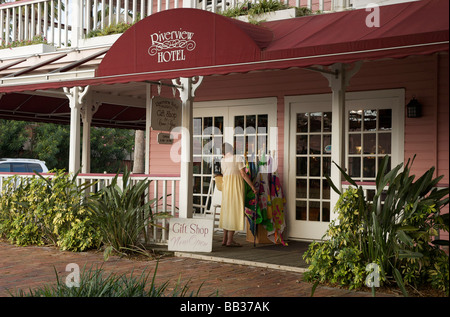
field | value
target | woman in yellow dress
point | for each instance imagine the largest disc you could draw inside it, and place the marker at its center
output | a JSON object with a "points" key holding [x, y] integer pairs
{"points": [[232, 208]]}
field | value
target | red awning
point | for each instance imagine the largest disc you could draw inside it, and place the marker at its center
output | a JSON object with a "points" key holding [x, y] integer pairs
{"points": [[191, 42]]}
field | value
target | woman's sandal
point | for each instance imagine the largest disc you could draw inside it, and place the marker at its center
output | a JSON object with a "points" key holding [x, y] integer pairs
{"points": [[234, 244]]}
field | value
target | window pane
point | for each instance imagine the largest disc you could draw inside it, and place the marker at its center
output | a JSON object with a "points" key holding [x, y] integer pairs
{"points": [[314, 188], [239, 145], [370, 143], [207, 165], [354, 144], [207, 145], [301, 166], [197, 167], [300, 210], [302, 143], [218, 124], [207, 123], [354, 118], [262, 123], [197, 184], [354, 166], [384, 143], [206, 181], [314, 211], [388, 167], [301, 188], [217, 168], [314, 144], [326, 166], [262, 143], [369, 167], [197, 145], [385, 119], [217, 145], [315, 122], [325, 189], [5, 167], [327, 121], [19, 167], [326, 212], [239, 124], [302, 122], [370, 120], [250, 124], [197, 126], [250, 144], [314, 166], [326, 147]]}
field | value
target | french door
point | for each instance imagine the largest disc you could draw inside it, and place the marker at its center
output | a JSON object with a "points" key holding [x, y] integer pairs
{"points": [[374, 128], [249, 125], [309, 162]]}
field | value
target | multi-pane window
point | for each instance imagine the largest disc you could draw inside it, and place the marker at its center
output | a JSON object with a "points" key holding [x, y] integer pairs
{"points": [[313, 162], [251, 135], [369, 140], [207, 153]]}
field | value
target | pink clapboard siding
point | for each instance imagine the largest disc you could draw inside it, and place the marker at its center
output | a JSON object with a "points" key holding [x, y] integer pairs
{"points": [[425, 77]]}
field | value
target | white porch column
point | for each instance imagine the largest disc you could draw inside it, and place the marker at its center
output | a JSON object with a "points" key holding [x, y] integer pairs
{"points": [[148, 120], [87, 112], [338, 80], [75, 95], [77, 10], [337, 84], [187, 94]]}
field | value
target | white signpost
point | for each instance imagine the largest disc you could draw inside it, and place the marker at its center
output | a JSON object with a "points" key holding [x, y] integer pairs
{"points": [[190, 234]]}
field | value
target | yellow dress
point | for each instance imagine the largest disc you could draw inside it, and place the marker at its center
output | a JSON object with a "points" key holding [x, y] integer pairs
{"points": [[232, 208]]}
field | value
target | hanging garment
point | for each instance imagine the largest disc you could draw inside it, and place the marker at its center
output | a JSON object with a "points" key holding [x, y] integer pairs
{"points": [[267, 207]]}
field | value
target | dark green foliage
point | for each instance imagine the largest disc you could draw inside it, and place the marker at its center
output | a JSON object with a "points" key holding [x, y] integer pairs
{"points": [[397, 233], [94, 283]]}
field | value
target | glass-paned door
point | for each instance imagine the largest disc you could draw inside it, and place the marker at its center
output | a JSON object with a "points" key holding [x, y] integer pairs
{"points": [[369, 140], [374, 129], [249, 125], [310, 161], [208, 133]]}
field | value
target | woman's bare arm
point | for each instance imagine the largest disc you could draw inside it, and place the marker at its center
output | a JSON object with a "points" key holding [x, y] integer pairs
{"points": [[247, 179]]}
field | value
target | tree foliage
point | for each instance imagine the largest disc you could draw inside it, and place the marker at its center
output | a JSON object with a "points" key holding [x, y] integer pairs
{"points": [[50, 143]]}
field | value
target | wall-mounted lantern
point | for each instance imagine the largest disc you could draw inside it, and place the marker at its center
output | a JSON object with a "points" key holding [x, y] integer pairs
{"points": [[414, 109]]}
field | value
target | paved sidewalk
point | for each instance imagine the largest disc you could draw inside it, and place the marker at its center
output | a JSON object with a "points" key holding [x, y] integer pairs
{"points": [[29, 267]]}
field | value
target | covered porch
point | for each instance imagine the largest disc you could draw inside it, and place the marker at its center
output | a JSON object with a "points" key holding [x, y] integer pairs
{"points": [[129, 75]]}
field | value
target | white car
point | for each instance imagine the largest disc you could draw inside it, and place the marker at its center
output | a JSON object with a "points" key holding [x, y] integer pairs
{"points": [[19, 165]]}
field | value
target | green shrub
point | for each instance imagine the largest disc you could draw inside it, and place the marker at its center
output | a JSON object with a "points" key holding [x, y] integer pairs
{"points": [[122, 212], [260, 7], [114, 28], [396, 234], [41, 211], [94, 283]]}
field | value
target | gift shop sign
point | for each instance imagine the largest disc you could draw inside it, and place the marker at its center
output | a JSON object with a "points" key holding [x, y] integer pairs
{"points": [[190, 235], [171, 46], [166, 113]]}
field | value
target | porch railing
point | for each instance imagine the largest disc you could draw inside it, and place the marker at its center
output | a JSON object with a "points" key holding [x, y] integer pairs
{"points": [[163, 188], [63, 23]]}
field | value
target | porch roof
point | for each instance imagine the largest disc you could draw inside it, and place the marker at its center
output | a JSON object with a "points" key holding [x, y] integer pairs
{"points": [[157, 48]]}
